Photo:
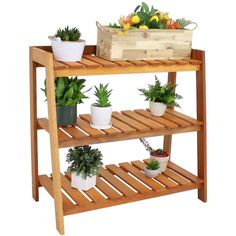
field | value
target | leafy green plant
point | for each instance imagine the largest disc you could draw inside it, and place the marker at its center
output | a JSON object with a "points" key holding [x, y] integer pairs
{"points": [[182, 22], [153, 164], [102, 94], [84, 161], [159, 151], [68, 34], [163, 94], [68, 91]]}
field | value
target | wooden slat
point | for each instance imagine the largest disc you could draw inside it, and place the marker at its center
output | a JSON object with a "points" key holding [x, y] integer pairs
{"points": [[141, 176], [154, 62], [180, 62], [177, 120], [138, 62], [110, 131], [74, 64], [43, 123], [184, 117], [74, 132], [100, 61], [184, 172], [59, 65], [89, 63], [127, 178], [142, 119], [86, 127], [106, 189], [162, 179], [171, 174], [122, 126], [133, 123], [47, 183], [76, 195], [168, 62], [194, 62], [124, 63], [116, 183], [159, 119]]}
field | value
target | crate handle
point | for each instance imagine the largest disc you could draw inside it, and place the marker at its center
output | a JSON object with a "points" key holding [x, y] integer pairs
{"points": [[195, 27], [101, 27]]}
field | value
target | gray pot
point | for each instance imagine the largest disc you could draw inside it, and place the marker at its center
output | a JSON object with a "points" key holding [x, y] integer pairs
{"points": [[66, 115]]}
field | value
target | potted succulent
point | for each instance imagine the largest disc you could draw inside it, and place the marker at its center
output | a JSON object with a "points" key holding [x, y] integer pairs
{"points": [[101, 111], [160, 155], [84, 166], [152, 169], [67, 45], [160, 97], [68, 93]]}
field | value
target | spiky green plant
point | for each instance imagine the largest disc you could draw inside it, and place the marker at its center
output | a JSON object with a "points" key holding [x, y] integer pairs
{"points": [[182, 22], [84, 161], [102, 93], [68, 34], [153, 164], [163, 94]]}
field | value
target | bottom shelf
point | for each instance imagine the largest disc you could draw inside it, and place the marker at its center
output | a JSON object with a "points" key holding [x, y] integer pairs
{"points": [[122, 184]]}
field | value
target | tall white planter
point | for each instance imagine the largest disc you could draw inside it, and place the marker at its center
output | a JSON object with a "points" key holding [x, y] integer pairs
{"points": [[84, 184], [157, 108], [101, 117], [67, 50], [163, 161]]}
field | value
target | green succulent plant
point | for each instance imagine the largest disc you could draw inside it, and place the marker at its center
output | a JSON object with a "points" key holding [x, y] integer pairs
{"points": [[68, 91], [102, 93], [163, 94], [153, 164], [84, 161], [68, 34]]}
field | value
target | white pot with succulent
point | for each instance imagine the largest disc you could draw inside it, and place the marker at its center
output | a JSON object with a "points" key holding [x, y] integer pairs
{"points": [[152, 169], [67, 45], [101, 111], [160, 97], [84, 166]]}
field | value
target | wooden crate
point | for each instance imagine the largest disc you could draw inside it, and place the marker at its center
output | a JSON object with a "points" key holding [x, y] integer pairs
{"points": [[143, 44]]}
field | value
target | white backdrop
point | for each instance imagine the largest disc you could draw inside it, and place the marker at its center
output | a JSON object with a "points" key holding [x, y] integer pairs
{"points": [[24, 23]]}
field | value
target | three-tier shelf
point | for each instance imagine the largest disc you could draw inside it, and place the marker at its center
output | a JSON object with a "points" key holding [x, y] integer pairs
{"points": [[116, 183]]}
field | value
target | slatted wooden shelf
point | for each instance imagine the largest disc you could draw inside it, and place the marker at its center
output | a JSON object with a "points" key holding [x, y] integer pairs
{"points": [[125, 125], [123, 183], [93, 65]]}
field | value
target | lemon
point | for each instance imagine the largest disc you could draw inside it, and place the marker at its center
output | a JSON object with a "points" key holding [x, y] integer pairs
{"points": [[154, 18], [143, 27], [135, 19]]}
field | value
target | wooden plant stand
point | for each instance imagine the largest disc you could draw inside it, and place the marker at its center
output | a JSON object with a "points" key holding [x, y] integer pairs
{"points": [[126, 125]]}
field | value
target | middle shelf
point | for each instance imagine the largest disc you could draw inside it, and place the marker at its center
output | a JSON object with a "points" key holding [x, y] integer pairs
{"points": [[125, 125]]}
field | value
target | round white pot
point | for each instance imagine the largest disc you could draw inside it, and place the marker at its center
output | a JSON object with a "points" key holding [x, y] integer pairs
{"points": [[163, 161], [67, 50], [157, 108], [84, 184], [101, 117], [152, 173]]}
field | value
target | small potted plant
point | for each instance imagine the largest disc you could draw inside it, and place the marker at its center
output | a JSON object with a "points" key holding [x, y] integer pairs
{"points": [[84, 166], [67, 45], [101, 111], [152, 169], [160, 97], [68, 93], [160, 155]]}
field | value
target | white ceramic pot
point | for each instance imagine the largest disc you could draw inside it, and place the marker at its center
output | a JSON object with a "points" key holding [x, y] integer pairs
{"points": [[157, 108], [101, 117], [163, 161], [152, 173], [84, 184], [67, 50]]}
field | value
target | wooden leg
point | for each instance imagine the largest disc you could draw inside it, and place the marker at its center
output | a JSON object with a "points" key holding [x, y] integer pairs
{"points": [[168, 138], [54, 146], [201, 115], [33, 127]]}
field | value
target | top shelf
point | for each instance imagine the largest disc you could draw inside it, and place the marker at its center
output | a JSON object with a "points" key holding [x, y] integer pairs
{"points": [[93, 65]]}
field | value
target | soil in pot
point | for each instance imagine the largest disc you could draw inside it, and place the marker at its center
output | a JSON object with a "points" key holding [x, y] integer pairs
{"points": [[66, 115]]}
